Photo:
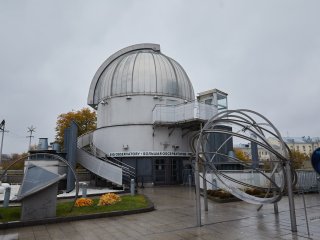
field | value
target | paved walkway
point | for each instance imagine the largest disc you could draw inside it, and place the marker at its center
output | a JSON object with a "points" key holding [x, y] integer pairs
{"points": [[175, 219]]}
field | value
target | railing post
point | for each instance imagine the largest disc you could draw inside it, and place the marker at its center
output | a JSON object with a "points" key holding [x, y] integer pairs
{"points": [[6, 199], [205, 196], [197, 186], [132, 187], [84, 189], [290, 197]]}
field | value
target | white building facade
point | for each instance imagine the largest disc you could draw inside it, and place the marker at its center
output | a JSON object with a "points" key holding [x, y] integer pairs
{"points": [[147, 112]]}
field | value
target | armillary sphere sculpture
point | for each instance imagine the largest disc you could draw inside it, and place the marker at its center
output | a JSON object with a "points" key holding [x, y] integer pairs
{"points": [[271, 175]]}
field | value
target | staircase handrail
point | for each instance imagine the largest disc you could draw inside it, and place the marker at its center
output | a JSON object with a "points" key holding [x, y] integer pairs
{"points": [[86, 140], [100, 154]]}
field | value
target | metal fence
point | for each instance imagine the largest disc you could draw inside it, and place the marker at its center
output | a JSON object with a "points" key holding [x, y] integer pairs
{"points": [[308, 181], [16, 176], [183, 112]]}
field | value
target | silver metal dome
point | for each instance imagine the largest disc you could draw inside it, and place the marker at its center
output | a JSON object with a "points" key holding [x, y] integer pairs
{"points": [[140, 70]]}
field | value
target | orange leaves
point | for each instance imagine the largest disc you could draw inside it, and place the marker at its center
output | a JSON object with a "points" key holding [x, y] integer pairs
{"points": [[83, 202], [105, 200], [109, 199], [84, 118]]}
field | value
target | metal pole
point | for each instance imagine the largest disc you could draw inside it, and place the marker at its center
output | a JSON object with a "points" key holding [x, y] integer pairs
{"points": [[275, 206], [2, 126], [84, 187], [305, 212], [6, 199], [197, 182], [205, 196], [290, 197], [132, 187], [30, 130], [197, 185]]}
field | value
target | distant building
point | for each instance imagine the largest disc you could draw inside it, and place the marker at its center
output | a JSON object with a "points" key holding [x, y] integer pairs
{"points": [[246, 149], [304, 145]]}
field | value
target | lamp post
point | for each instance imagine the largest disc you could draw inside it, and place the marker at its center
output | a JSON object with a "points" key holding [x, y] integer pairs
{"points": [[2, 126], [30, 130]]}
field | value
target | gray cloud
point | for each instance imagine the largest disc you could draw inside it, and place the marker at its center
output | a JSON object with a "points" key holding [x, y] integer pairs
{"points": [[264, 54]]}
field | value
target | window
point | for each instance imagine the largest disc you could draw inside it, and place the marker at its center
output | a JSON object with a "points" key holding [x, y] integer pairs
{"points": [[208, 101], [304, 148]]}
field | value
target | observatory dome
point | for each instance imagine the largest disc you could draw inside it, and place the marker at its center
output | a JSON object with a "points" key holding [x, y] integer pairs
{"points": [[140, 70]]}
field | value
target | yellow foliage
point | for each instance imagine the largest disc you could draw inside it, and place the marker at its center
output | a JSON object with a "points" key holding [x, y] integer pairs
{"points": [[109, 199], [241, 155], [298, 158], [83, 202], [84, 118]]}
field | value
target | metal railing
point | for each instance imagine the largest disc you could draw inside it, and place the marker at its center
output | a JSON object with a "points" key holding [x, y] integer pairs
{"points": [[183, 112], [308, 181], [85, 143], [128, 170]]}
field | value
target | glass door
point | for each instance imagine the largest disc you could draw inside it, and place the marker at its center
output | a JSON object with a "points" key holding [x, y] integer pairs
{"points": [[166, 171], [159, 171]]}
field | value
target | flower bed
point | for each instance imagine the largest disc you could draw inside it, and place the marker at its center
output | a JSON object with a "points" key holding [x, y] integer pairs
{"points": [[109, 199], [83, 202], [128, 203]]}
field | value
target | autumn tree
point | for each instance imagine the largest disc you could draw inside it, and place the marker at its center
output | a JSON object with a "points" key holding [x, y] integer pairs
{"points": [[84, 118], [241, 155], [298, 158]]}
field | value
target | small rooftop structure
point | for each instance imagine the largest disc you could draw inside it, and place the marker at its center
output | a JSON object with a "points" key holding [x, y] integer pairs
{"points": [[214, 97]]}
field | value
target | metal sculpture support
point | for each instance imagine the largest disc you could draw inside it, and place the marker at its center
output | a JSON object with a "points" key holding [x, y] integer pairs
{"points": [[250, 126]]}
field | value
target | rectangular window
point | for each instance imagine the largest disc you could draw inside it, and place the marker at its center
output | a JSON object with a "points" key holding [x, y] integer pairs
{"points": [[208, 101]]}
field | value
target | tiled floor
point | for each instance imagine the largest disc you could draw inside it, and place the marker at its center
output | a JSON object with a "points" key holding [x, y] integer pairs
{"points": [[175, 219]]}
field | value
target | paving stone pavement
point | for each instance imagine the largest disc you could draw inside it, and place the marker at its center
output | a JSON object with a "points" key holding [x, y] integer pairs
{"points": [[175, 219]]}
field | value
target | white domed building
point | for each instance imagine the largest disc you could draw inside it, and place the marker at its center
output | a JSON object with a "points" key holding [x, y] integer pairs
{"points": [[147, 112]]}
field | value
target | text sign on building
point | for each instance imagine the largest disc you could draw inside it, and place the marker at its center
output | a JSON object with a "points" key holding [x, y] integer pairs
{"points": [[150, 154]]}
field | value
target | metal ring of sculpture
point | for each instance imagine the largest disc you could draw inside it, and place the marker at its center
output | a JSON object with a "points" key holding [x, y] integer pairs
{"points": [[52, 156], [253, 127]]}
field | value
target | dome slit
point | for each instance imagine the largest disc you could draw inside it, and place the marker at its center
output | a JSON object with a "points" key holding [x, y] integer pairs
{"points": [[155, 71], [175, 75], [112, 78], [133, 69]]}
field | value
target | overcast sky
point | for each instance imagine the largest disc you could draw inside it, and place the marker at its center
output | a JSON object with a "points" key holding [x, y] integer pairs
{"points": [[264, 54]]}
